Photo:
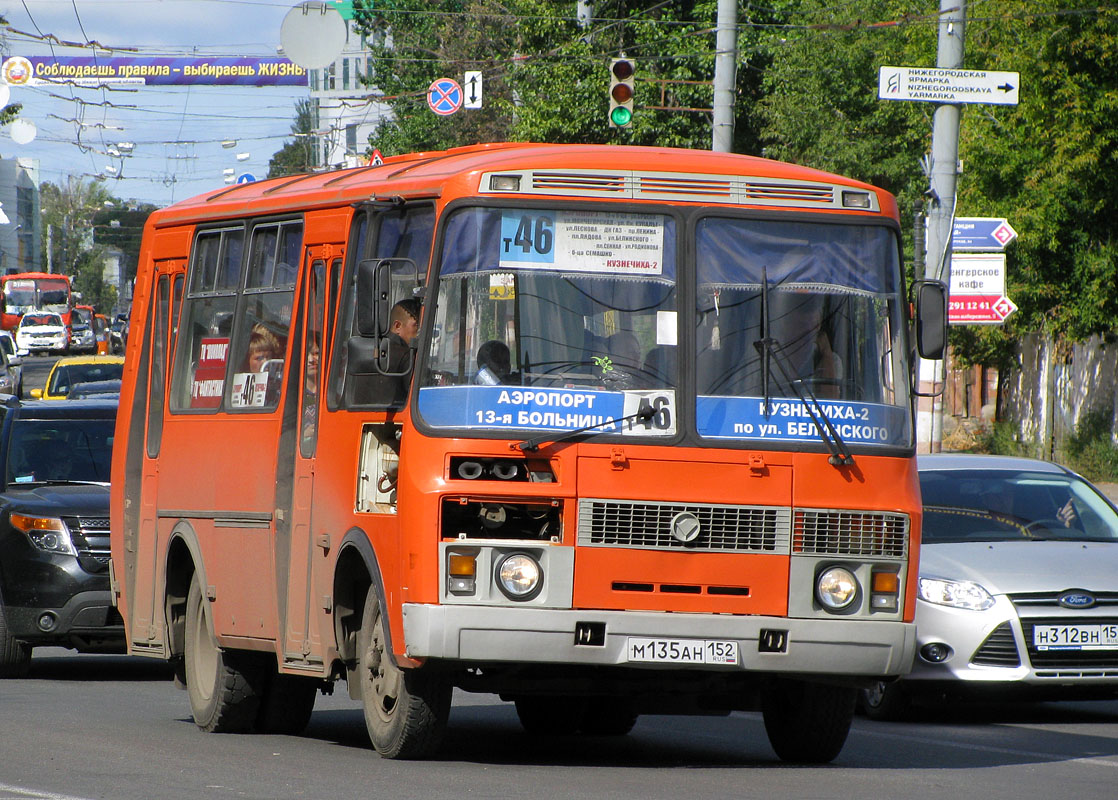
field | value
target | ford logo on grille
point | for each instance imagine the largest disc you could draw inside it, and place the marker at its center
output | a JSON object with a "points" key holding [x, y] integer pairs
{"points": [[685, 527], [1076, 599]]}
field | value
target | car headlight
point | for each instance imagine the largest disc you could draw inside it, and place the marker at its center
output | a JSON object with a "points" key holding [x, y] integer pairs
{"points": [[836, 588], [519, 576], [46, 533], [956, 594]]}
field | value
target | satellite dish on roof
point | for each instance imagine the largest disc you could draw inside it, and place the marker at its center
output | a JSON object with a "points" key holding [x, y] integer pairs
{"points": [[313, 34], [23, 131]]}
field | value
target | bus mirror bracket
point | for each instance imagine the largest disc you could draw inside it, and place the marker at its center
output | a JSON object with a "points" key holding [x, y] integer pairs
{"points": [[931, 319]]}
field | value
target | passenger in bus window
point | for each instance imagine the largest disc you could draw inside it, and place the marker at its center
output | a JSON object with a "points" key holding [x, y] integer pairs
{"points": [[494, 363], [806, 344], [403, 326], [263, 346], [265, 355], [392, 389], [310, 388]]}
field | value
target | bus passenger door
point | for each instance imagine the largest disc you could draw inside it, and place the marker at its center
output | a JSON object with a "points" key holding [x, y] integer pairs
{"points": [[302, 644], [146, 630]]}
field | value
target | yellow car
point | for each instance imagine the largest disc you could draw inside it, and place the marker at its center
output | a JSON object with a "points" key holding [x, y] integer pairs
{"points": [[69, 371]]}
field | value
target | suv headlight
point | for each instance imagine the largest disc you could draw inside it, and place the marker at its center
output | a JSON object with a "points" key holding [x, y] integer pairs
{"points": [[956, 594], [46, 533]]}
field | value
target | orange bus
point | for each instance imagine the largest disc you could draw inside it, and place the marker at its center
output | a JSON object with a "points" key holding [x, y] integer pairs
{"points": [[33, 291], [607, 431]]}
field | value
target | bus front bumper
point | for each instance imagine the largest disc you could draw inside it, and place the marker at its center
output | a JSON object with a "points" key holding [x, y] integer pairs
{"points": [[622, 638]]}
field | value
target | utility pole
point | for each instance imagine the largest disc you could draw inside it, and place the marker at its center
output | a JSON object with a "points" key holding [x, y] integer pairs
{"points": [[725, 76], [942, 171]]}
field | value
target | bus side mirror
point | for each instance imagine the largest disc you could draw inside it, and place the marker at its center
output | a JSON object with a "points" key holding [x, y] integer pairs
{"points": [[373, 282], [931, 319]]}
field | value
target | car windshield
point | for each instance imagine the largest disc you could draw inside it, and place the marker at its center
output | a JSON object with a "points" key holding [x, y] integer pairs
{"points": [[1008, 505], [78, 450], [66, 375], [40, 319]]}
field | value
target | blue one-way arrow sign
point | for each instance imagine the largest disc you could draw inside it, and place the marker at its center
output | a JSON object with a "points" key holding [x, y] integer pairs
{"points": [[981, 233]]}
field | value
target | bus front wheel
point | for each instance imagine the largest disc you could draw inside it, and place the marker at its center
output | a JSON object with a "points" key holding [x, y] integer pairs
{"points": [[405, 710], [807, 723], [223, 688]]}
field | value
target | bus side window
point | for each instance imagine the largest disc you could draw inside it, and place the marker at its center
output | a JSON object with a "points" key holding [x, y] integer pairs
{"points": [[202, 349], [264, 318]]}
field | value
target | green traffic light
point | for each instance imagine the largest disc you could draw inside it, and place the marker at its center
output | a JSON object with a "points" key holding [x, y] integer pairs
{"points": [[621, 116]]}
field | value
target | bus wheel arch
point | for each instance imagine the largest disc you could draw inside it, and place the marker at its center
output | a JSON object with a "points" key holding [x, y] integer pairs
{"points": [[354, 572], [184, 558]]}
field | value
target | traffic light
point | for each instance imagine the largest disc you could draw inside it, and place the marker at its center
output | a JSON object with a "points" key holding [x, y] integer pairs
{"points": [[621, 72]]}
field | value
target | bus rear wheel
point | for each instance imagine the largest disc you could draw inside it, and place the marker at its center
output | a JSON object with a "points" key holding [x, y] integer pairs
{"points": [[807, 723], [223, 687], [405, 709]]}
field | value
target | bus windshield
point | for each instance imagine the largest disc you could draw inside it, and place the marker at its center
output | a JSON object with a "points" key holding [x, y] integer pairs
{"points": [[574, 309], [577, 310], [43, 294], [793, 310]]}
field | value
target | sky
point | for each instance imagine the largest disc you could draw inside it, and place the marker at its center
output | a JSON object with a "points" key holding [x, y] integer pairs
{"points": [[177, 131]]}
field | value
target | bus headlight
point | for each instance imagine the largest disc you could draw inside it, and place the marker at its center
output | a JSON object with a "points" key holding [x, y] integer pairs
{"points": [[519, 576], [836, 588]]}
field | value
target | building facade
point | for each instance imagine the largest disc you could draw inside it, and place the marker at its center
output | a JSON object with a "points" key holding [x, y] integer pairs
{"points": [[341, 94], [21, 236]]}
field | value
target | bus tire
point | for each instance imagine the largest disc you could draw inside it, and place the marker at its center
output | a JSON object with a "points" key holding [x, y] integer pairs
{"points": [[287, 704], [15, 655], [223, 687], [807, 723], [405, 709], [551, 715]]}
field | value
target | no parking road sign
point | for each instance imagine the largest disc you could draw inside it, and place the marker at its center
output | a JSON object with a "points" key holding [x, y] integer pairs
{"points": [[444, 96]]}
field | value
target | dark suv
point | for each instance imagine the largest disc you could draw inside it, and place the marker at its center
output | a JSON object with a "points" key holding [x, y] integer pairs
{"points": [[54, 529]]}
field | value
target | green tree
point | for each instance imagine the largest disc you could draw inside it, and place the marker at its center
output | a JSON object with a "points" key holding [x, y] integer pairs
{"points": [[819, 104], [297, 156], [545, 77], [68, 213], [1048, 165]]}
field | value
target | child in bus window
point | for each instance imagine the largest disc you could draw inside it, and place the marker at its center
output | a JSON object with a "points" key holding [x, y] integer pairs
{"points": [[263, 346]]}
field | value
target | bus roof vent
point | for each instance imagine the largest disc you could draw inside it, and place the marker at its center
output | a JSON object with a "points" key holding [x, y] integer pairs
{"points": [[712, 188], [580, 183], [787, 193], [669, 186]]}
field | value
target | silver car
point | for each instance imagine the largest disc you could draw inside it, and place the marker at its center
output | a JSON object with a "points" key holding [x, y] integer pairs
{"points": [[1017, 593]]}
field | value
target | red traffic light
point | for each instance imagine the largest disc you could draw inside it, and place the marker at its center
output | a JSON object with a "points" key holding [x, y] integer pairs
{"points": [[622, 69]]}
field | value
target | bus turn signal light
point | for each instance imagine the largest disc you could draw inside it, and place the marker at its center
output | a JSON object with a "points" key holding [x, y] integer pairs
{"points": [[886, 591]]}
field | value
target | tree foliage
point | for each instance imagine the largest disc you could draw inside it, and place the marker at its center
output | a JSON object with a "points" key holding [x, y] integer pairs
{"points": [[298, 155], [806, 93], [84, 220], [546, 77]]}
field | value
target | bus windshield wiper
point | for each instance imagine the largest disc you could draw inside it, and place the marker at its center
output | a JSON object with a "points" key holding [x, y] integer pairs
{"points": [[768, 347], [534, 443]]}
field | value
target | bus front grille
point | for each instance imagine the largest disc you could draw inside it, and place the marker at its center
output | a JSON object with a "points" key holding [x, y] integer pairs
{"points": [[839, 532], [683, 526]]}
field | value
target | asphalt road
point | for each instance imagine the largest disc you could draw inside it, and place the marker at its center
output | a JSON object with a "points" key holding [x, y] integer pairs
{"points": [[115, 727]]}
